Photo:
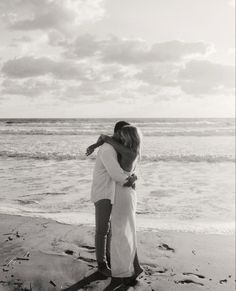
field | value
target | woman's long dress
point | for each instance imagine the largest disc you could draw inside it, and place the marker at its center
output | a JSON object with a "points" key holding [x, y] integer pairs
{"points": [[123, 227]]}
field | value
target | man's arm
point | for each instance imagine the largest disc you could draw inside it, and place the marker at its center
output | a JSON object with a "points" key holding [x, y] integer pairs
{"points": [[109, 160], [131, 181]]}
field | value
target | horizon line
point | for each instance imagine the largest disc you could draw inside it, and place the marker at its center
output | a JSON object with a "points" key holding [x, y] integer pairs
{"points": [[118, 117]]}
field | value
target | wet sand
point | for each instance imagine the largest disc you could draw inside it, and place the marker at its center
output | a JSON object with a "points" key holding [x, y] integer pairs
{"points": [[43, 255]]}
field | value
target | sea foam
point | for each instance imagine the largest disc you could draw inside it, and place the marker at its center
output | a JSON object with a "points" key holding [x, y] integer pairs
{"points": [[145, 158]]}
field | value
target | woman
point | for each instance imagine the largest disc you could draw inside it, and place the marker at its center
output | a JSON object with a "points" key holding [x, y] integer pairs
{"points": [[125, 267]]}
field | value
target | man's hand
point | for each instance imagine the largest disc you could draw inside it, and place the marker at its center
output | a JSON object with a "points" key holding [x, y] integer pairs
{"points": [[131, 181]]}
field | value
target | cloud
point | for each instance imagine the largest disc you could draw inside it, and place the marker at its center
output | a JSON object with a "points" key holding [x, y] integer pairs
{"points": [[201, 77], [86, 92], [36, 77], [196, 78], [49, 14], [25, 67], [30, 88], [22, 39], [102, 90], [134, 51], [93, 80], [159, 75], [83, 46]]}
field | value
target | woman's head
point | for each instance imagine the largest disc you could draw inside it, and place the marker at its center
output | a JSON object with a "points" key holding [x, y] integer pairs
{"points": [[117, 129], [131, 137]]}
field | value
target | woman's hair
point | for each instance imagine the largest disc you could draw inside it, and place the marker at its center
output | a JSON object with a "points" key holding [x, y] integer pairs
{"points": [[132, 138]]}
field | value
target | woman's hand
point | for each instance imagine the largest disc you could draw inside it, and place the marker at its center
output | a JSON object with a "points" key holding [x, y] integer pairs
{"points": [[99, 142], [89, 150]]}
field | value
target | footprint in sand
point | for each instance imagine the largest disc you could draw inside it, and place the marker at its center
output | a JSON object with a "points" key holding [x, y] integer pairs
{"points": [[223, 281], [165, 247], [197, 275], [153, 271], [90, 249], [69, 252], [188, 281], [87, 260]]}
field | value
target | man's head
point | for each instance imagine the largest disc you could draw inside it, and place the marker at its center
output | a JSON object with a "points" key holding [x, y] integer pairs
{"points": [[118, 127]]}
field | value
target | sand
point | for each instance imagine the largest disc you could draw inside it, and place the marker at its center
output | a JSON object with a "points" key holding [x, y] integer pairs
{"points": [[42, 255]]}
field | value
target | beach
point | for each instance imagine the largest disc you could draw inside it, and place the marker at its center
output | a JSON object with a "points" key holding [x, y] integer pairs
{"points": [[43, 255], [185, 211]]}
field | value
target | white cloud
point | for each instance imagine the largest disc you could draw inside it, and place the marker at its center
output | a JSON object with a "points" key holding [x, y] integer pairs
{"points": [[22, 39], [49, 14], [100, 82], [29, 88], [83, 46], [133, 51], [160, 75], [25, 67], [204, 77]]}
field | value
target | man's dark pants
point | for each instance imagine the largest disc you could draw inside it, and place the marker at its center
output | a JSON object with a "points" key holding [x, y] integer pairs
{"points": [[103, 231]]}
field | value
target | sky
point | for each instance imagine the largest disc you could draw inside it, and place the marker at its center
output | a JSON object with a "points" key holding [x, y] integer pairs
{"points": [[117, 58]]}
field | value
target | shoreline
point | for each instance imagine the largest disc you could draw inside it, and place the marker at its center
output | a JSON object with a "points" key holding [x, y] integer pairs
{"points": [[42, 254], [88, 219]]}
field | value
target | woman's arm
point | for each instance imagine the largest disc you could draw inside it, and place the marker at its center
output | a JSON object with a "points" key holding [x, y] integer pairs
{"points": [[120, 148], [92, 147]]}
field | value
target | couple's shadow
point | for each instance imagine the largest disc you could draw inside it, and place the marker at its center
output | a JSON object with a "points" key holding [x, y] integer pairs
{"points": [[96, 276]]}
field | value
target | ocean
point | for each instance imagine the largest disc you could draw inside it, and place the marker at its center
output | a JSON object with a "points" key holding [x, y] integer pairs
{"points": [[185, 176]]}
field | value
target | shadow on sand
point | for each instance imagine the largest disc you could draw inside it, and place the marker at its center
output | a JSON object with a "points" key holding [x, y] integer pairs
{"points": [[85, 281]]}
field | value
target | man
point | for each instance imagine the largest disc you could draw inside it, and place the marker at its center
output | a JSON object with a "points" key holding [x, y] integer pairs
{"points": [[107, 172]]}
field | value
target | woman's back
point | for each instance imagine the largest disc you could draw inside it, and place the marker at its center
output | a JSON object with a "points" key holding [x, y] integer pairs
{"points": [[128, 149], [127, 161]]}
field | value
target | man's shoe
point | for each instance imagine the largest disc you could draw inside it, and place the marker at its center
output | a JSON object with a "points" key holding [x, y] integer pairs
{"points": [[104, 269]]}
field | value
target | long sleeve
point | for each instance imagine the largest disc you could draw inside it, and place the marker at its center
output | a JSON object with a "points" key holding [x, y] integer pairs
{"points": [[109, 160]]}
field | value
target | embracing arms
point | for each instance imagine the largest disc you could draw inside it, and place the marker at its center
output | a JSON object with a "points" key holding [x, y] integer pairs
{"points": [[120, 148], [109, 160]]}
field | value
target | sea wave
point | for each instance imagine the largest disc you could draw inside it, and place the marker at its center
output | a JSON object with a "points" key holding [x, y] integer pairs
{"points": [[73, 121], [145, 158], [47, 132], [163, 132], [44, 155], [189, 158]]}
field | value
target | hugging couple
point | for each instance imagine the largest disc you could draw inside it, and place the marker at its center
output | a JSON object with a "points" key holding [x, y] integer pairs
{"points": [[114, 196]]}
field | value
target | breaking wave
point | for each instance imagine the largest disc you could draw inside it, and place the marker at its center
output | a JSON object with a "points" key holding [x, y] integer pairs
{"points": [[165, 132], [145, 158]]}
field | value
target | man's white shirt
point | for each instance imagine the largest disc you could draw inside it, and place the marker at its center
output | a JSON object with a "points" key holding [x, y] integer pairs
{"points": [[107, 172]]}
